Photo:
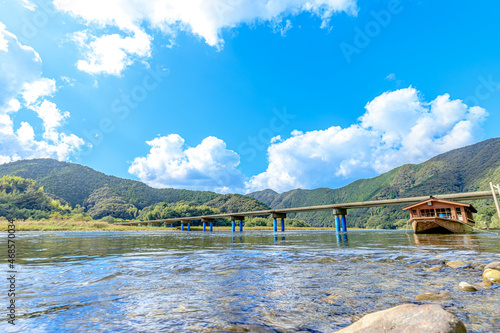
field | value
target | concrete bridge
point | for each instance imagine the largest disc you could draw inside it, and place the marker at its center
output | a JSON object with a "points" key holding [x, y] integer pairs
{"points": [[339, 210]]}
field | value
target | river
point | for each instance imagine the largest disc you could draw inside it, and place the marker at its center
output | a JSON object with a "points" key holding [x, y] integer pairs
{"points": [[254, 281]]}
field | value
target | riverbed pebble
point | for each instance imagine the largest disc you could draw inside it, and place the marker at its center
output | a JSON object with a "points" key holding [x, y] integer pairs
{"points": [[433, 296], [493, 265], [433, 269], [464, 286], [491, 275], [408, 318], [457, 264]]}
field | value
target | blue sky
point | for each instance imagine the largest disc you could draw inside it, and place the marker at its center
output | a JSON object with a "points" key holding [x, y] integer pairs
{"points": [[237, 96]]}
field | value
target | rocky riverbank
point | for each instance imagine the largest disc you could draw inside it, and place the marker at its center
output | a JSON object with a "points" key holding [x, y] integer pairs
{"points": [[425, 318]]}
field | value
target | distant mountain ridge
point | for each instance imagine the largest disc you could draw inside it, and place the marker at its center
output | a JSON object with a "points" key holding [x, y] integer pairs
{"points": [[469, 168], [76, 183], [465, 169]]}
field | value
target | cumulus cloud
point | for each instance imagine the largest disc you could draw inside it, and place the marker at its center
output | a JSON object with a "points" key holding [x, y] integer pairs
{"points": [[208, 166], [205, 19], [20, 76], [110, 54], [397, 127], [34, 90]]}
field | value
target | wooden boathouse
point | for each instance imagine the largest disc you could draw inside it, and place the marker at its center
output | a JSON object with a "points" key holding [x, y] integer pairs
{"points": [[441, 216]]}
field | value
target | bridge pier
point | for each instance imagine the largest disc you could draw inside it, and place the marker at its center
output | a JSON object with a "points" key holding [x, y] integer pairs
{"points": [[205, 220], [211, 226], [189, 226], [233, 223], [277, 216], [340, 219], [182, 226], [235, 218]]}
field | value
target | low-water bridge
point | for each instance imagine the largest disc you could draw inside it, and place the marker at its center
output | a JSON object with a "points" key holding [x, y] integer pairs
{"points": [[339, 210]]}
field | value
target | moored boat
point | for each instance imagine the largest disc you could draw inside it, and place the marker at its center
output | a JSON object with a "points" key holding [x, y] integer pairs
{"points": [[441, 216]]}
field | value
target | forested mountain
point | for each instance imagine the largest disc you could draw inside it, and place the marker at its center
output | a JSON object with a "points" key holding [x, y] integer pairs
{"points": [[74, 183], [102, 195], [466, 169], [22, 198]]}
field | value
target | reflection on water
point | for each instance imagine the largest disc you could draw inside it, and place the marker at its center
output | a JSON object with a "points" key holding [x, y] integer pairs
{"points": [[256, 281]]}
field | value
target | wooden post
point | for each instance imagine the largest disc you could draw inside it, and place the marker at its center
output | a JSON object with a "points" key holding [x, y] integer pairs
{"points": [[495, 196]]}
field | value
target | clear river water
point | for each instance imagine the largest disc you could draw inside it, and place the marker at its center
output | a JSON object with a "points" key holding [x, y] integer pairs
{"points": [[254, 281]]}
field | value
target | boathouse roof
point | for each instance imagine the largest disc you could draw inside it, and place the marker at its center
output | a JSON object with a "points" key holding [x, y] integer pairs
{"points": [[446, 202]]}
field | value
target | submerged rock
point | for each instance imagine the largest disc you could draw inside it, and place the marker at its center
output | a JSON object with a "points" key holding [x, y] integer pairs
{"points": [[408, 318], [457, 264], [430, 296], [464, 286], [483, 285], [493, 265], [491, 275], [433, 269], [331, 299]]}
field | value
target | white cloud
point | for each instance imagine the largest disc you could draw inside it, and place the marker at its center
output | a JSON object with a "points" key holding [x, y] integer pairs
{"points": [[40, 88], [205, 19], [110, 54], [398, 127], [28, 5], [20, 76], [208, 166]]}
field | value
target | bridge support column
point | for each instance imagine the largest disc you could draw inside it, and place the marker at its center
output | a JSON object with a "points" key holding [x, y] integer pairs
{"points": [[182, 226], [344, 223], [211, 226], [340, 219], [204, 226], [189, 226], [277, 216], [235, 218], [172, 225], [233, 225]]}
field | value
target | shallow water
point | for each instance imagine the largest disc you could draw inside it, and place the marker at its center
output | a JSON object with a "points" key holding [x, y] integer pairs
{"points": [[255, 281]]}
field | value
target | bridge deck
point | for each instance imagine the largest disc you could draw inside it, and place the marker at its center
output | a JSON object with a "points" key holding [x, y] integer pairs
{"points": [[351, 205]]}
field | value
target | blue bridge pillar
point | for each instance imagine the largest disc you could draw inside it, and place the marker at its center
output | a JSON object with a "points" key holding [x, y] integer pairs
{"points": [[211, 226], [337, 223], [189, 226], [233, 225], [277, 216], [204, 226], [172, 225], [182, 226], [235, 218], [340, 220]]}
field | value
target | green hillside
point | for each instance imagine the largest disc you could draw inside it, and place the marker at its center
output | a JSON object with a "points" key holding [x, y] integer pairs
{"points": [[104, 195], [461, 170]]}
